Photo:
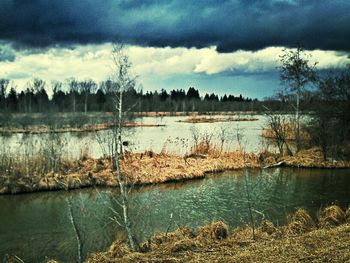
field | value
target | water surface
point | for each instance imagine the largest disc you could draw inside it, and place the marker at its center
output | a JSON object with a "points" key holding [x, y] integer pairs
{"points": [[35, 226]]}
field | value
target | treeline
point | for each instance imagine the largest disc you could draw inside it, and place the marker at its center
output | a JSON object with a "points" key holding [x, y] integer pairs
{"points": [[87, 95]]}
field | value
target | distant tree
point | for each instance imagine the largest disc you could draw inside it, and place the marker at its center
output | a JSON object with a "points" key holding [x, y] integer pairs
{"points": [[40, 96], [163, 95], [178, 95], [193, 97], [12, 100], [107, 87], [86, 88], [4, 83], [100, 100], [213, 97], [59, 98], [73, 92], [192, 94], [29, 98]]}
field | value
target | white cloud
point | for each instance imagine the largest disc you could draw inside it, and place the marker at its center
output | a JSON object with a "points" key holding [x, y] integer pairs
{"points": [[94, 61]]}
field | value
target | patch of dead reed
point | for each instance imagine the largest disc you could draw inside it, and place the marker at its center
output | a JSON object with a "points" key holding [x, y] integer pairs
{"points": [[313, 158], [299, 222], [331, 216], [214, 231]]}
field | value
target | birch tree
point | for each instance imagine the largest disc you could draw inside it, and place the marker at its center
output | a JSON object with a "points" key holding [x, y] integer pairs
{"points": [[122, 81], [296, 71]]}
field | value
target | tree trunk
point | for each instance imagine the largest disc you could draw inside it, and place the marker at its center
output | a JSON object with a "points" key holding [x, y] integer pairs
{"points": [[85, 106], [297, 117], [127, 223], [75, 227]]}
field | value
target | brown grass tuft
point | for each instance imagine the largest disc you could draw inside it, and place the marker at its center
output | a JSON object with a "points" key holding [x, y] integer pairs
{"points": [[116, 250], [347, 213], [331, 216], [173, 237], [203, 147], [101, 257], [214, 231], [268, 227], [195, 119], [183, 245], [313, 158], [298, 223]]}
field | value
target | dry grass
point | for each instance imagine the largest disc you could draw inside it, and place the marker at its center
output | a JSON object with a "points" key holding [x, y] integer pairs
{"points": [[313, 158], [150, 168], [212, 120], [189, 113], [269, 228], [289, 132], [146, 168], [214, 231], [38, 129], [307, 244], [298, 223], [347, 213], [138, 168], [331, 216]]}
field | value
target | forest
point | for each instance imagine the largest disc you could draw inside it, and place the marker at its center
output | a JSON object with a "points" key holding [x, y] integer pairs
{"points": [[89, 96]]}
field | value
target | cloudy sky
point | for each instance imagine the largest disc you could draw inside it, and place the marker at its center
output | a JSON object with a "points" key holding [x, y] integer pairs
{"points": [[223, 46]]}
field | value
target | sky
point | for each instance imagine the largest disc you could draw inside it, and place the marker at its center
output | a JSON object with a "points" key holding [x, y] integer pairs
{"points": [[221, 46]]}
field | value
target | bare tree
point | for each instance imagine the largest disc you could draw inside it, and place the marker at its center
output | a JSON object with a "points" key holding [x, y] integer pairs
{"points": [[86, 88], [73, 92], [222, 137], [279, 126], [296, 71], [123, 81]]}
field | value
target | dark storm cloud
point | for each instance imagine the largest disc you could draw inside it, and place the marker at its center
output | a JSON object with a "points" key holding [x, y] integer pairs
{"points": [[229, 24]]}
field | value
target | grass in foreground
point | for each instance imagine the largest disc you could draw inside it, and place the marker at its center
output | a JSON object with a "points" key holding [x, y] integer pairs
{"points": [[301, 239]]}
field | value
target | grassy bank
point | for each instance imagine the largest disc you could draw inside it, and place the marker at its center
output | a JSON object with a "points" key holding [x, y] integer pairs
{"points": [[142, 168], [83, 128], [302, 239], [138, 168], [212, 120]]}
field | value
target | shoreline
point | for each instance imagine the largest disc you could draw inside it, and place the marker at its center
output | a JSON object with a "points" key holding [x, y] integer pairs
{"points": [[152, 168], [300, 239], [86, 128], [91, 127], [196, 119]]}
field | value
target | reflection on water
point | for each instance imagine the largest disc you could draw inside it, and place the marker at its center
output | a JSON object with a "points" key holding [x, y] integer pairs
{"points": [[33, 226]]}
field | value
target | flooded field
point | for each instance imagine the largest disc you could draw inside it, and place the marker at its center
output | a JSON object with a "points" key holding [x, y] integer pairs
{"points": [[174, 137]]}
